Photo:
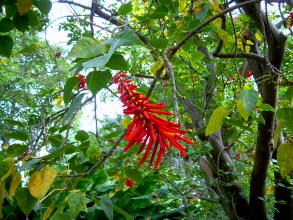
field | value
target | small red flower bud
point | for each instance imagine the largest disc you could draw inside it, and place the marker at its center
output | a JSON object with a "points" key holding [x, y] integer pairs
{"points": [[58, 54], [249, 74], [129, 182], [238, 155], [231, 78]]}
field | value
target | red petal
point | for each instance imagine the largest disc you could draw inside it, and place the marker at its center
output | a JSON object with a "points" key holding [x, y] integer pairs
{"points": [[154, 152], [147, 152]]}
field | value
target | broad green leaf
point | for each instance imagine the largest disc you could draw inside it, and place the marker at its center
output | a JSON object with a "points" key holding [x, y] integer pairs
{"points": [[16, 150], [266, 107], [56, 153], [48, 212], [10, 10], [287, 115], [161, 43], [183, 53], [73, 106], [229, 134], [25, 200], [24, 6], [6, 25], [21, 22], [87, 47], [69, 85], [107, 206], [99, 62], [96, 80], [157, 15], [126, 38], [117, 62], [126, 121], [122, 212], [196, 56], [277, 132], [249, 99], [43, 5], [134, 175], [6, 44], [202, 13], [216, 120], [61, 216], [27, 164], [41, 181], [76, 203], [242, 111], [125, 8], [289, 95], [13, 122], [285, 158], [55, 140], [81, 135], [16, 179], [17, 135], [29, 48], [33, 19], [112, 134]]}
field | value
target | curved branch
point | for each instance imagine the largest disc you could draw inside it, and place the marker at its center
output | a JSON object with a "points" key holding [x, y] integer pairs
{"points": [[242, 55]]}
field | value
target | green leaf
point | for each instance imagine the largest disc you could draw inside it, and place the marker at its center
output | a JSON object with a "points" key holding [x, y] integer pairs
{"points": [[125, 8], [216, 120], [99, 62], [76, 203], [289, 95], [126, 37], [277, 132], [43, 5], [6, 44], [57, 152], [61, 216], [285, 158], [249, 99], [55, 140], [10, 10], [126, 121], [202, 13], [96, 80], [117, 62], [33, 19], [17, 135], [242, 111], [16, 150], [6, 25], [112, 134], [69, 85], [107, 206], [25, 200], [27, 164], [73, 106], [287, 115], [134, 175], [266, 107], [122, 212], [29, 48], [21, 22], [87, 47], [161, 43], [81, 135], [13, 122]]}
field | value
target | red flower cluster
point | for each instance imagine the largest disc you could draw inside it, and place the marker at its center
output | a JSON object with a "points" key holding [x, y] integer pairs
{"points": [[129, 182], [238, 155], [82, 82], [231, 78], [58, 54], [291, 19], [147, 127], [249, 74]]}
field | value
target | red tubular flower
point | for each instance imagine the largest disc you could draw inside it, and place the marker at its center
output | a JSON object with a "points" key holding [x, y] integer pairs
{"points": [[82, 82], [129, 182], [147, 127]]}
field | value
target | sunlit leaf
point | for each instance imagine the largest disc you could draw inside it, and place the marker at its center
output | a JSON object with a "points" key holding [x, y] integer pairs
{"points": [[16, 179], [125, 8], [285, 158], [126, 121], [215, 5], [216, 120], [24, 6], [242, 111]]}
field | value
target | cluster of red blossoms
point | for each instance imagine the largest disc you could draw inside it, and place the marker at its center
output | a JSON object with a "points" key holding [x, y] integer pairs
{"points": [[82, 82], [147, 127], [129, 182], [249, 74]]}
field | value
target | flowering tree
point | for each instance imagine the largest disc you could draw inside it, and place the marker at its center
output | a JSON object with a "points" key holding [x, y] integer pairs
{"points": [[222, 69]]}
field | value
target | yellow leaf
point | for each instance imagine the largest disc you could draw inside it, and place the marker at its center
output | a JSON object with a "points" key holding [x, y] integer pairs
{"points": [[239, 44], [2, 188], [198, 3], [111, 194], [10, 171], [48, 212], [242, 110], [259, 36], [224, 36], [156, 66], [249, 42], [215, 5], [270, 190], [16, 179], [63, 172], [238, 90], [247, 49], [40, 181], [277, 132], [117, 189], [285, 158], [182, 7], [154, 194], [126, 121], [217, 22], [24, 6], [216, 120]]}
